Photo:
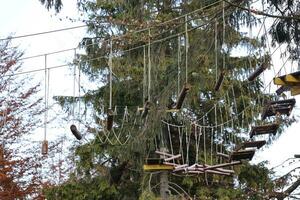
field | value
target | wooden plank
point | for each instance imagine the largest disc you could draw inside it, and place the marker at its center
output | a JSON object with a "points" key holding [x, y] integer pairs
{"points": [[158, 167], [251, 144], [282, 107], [217, 172], [164, 153], [223, 155], [173, 157], [242, 155], [264, 129], [223, 165]]}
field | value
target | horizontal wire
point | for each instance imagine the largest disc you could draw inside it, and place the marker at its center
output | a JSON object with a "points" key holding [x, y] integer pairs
{"points": [[119, 37], [42, 33]]}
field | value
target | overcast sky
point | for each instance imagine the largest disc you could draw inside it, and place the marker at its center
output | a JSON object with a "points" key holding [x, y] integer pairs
{"points": [[21, 17]]}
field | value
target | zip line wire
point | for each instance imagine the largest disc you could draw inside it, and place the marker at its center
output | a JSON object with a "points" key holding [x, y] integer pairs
{"points": [[118, 37], [42, 33], [128, 50]]}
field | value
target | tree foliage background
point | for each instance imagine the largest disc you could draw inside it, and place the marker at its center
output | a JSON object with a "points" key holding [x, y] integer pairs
{"points": [[106, 171]]}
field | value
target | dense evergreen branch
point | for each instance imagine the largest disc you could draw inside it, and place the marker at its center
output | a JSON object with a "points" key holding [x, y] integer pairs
{"points": [[258, 12]]}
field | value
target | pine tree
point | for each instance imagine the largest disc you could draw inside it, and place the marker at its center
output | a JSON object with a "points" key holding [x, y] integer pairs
{"points": [[115, 27]]}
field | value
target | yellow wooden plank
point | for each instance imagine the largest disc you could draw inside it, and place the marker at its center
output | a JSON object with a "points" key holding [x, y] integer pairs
{"points": [[158, 167], [278, 81], [291, 78]]}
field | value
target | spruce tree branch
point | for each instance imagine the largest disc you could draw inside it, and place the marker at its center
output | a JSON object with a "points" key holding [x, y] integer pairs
{"points": [[258, 12]]}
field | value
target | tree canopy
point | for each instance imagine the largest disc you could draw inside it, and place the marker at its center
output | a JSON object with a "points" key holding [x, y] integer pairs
{"points": [[143, 53]]}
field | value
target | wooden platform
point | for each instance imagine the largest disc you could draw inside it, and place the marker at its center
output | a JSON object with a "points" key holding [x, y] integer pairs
{"points": [[282, 107], [251, 144], [264, 129], [292, 79], [242, 155], [161, 167]]}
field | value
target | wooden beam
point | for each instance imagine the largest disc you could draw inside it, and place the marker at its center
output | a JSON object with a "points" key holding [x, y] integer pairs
{"points": [[223, 155], [223, 165], [173, 157]]}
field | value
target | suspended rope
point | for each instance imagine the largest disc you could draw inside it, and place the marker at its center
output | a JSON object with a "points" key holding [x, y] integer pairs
{"points": [[110, 113], [178, 64], [149, 65], [45, 142], [73, 127], [186, 48], [144, 74], [216, 49]]}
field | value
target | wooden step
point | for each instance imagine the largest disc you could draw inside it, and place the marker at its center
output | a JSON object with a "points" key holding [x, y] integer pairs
{"points": [[252, 144], [242, 155], [282, 107], [264, 129]]}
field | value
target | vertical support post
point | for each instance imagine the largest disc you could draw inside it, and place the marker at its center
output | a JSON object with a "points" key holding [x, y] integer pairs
{"points": [[164, 182]]}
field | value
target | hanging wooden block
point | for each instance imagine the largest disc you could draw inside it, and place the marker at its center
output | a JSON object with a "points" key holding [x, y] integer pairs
{"points": [[45, 147], [282, 89], [281, 107], [219, 81], [257, 72], [146, 109], [182, 96], [264, 129], [75, 132], [110, 119]]}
